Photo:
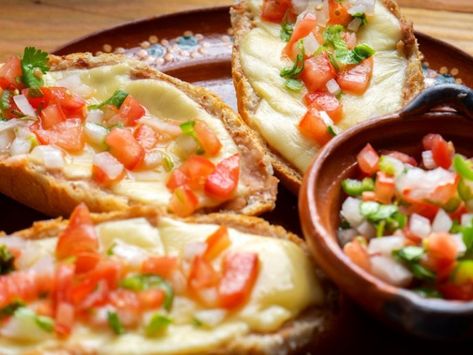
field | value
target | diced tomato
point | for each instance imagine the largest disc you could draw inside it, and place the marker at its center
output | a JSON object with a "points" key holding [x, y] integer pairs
{"points": [[79, 236], [462, 292], [192, 173], [68, 135], [128, 306], [151, 299], [405, 158], [131, 111], [51, 116], [240, 271], [441, 254], [445, 192], [202, 274], [355, 80], [368, 160], [63, 281], [183, 202], [125, 148], [107, 170], [442, 151], [86, 261], [425, 209], [384, 188], [358, 254], [302, 28], [317, 72], [221, 184], [461, 209], [325, 102], [338, 14], [146, 136], [313, 127], [207, 139], [10, 74], [275, 10], [216, 243], [37, 100], [44, 307], [160, 265], [65, 316], [71, 104]]}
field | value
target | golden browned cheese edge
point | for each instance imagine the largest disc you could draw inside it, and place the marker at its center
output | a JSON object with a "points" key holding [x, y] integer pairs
{"points": [[242, 23], [55, 196], [308, 328]]}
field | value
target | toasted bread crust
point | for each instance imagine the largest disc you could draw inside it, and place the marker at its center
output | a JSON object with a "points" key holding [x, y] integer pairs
{"points": [[295, 334], [54, 195], [248, 100]]}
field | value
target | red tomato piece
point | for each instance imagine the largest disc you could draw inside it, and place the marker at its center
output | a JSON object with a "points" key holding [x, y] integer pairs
{"points": [[338, 14], [10, 74], [107, 170], [202, 274], [207, 139], [146, 136], [125, 148], [275, 10], [38, 101], [317, 72], [124, 299], [71, 104], [442, 151], [79, 236], [358, 254], [68, 135], [302, 28], [216, 243], [221, 184], [457, 292], [405, 158], [150, 299], [131, 111], [384, 188], [65, 316], [51, 116], [160, 265], [368, 160], [327, 102], [192, 173], [86, 261], [441, 254], [240, 271], [425, 209], [313, 127], [355, 80], [183, 202]]}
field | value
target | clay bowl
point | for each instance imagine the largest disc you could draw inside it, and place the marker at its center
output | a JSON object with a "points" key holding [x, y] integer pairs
{"points": [[320, 201]]}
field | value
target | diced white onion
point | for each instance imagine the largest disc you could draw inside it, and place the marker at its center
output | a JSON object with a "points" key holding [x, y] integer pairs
{"points": [[351, 211], [161, 126], [153, 159], [326, 118], [193, 249], [362, 6], [24, 327], [391, 271], [178, 282], [357, 9], [13, 242], [466, 219], [185, 146], [385, 245], [108, 164], [461, 247], [396, 164], [311, 44], [132, 254], [346, 235], [44, 266], [428, 160], [74, 84], [333, 87], [95, 116], [20, 146], [354, 24], [23, 104], [6, 139], [96, 134], [366, 230], [10, 124], [51, 157], [208, 296], [211, 317], [420, 225], [442, 222]]}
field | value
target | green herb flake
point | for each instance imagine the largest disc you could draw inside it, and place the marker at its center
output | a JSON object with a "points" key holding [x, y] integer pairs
{"points": [[298, 66], [5, 101], [362, 17], [144, 282], [45, 323], [422, 273], [197, 323], [331, 130], [427, 292], [294, 85], [116, 100], [188, 128], [168, 163], [157, 325], [286, 31], [110, 249], [9, 310], [115, 323], [409, 254], [7, 260], [135, 283], [34, 61]]}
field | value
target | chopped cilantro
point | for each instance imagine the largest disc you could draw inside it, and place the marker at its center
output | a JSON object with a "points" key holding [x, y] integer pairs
{"points": [[145, 282], [411, 256], [5, 101], [45, 323], [188, 129], [428, 292], [34, 61], [291, 74], [157, 325], [362, 17], [115, 323], [6, 260], [168, 163], [294, 84], [286, 31], [116, 100], [11, 308]]}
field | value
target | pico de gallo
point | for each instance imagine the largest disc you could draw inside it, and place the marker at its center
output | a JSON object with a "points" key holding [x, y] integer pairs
{"points": [[327, 59], [52, 124], [118, 288], [410, 222]]}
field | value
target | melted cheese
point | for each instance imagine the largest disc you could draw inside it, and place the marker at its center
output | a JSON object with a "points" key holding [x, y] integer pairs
{"points": [[280, 110], [164, 101], [286, 285]]}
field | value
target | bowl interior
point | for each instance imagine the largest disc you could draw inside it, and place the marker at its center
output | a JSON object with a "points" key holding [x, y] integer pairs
{"points": [[320, 204]]}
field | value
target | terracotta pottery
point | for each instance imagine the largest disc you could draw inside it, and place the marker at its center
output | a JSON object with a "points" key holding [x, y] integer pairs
{"points": [[321, 197]]}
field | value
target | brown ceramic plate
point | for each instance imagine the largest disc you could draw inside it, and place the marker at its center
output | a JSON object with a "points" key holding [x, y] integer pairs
{"points": [[202, 57]]}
